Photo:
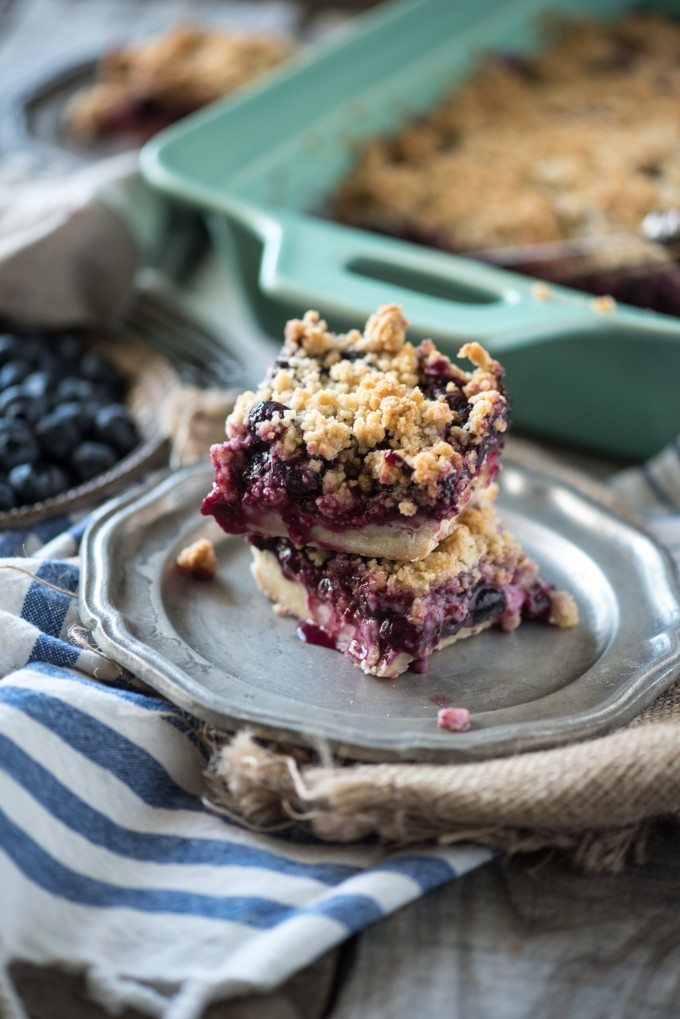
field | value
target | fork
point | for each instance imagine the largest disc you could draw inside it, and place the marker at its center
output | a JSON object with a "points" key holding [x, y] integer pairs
{"points": [[201, 357]]}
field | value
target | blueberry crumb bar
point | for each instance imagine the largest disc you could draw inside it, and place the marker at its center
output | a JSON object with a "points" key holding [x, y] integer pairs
{"points": [[144, 86], [360, 442], [389, 616]]}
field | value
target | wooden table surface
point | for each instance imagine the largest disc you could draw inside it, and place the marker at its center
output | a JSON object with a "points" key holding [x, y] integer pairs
{"points": [[527, 938]]}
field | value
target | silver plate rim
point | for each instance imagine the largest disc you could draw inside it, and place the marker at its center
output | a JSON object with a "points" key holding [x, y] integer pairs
{"points": [[107, 625]]}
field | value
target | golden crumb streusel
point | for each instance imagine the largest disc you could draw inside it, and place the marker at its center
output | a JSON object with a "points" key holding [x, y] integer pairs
{"points": [[581, 140], [405, 415], [169, 76]]}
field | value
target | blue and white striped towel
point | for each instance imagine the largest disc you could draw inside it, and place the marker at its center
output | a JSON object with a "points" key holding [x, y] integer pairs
{"points": [[109, 862]]}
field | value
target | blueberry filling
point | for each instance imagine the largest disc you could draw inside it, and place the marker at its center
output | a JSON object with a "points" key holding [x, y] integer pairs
{"points": [[143, 115], [350, 612]]}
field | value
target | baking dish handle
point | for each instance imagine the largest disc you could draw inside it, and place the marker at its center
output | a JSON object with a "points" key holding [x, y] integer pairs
{"points": [[348, 272]]}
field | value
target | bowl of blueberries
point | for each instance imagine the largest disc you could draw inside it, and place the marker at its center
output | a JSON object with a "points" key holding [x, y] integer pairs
{"points": [[78, 418]]}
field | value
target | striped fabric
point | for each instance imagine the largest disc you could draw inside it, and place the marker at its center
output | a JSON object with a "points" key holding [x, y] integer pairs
{"points": [[110, 863]]}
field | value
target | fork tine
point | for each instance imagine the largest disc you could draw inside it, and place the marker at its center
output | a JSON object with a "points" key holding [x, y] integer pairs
{"points": [[198, 354], [184, 336]]}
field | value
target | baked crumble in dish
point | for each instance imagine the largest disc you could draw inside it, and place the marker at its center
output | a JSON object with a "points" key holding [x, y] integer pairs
{"points": [[143, 87], [388, 616], [581, 140], [360, 442]]}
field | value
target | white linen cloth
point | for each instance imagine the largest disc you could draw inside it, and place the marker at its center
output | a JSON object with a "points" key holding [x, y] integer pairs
{"points": [[111, 864]]}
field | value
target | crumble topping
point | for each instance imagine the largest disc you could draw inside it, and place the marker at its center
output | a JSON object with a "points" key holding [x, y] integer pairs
{"points": [[175, 73], [199, 559], [582, 139], [369, 409], [605, 305], [563, 610]]}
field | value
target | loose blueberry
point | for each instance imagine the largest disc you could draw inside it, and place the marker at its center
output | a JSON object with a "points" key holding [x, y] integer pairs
{"points": [[59, 432], [91, 458], [14, 372], [7, 500], [75, 389], [17, 444], [83, 413], [32, 348], [104, 395], [37, 482], [38, 383], [28, 408], [68, 348], [10, 348], [10, 396], [114, 425], [97, 369]]}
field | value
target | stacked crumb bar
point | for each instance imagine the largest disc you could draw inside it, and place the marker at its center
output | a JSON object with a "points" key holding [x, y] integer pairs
{"points": [[361, 474]]}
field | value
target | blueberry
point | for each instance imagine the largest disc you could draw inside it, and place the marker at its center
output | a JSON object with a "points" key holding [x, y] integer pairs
{"points": [[104, 395], [59, 432], [17, 444], [301, 481], [32, 348], [10, 347], [14, 372], [37, 482], [91, 458], [68, 348], [39, 383], [28, 408], [114, 425], [10, 396], [7, 500], [83, 413], [261, 412], [486, 603], [97, 369], [75, 389], [459, 404]]}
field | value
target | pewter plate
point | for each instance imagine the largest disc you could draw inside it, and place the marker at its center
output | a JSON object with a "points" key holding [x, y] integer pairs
{"points": [[217, 650]]}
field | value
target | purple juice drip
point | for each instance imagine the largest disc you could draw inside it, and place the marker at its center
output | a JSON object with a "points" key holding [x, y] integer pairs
{"points": [[309, 633]]}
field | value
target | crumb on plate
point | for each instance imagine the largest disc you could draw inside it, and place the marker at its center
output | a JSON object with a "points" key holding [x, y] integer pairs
{"points": [[454, 719], [199, 559]]}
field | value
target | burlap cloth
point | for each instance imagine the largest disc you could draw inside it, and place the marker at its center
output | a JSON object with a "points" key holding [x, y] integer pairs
{"points": [[595, 799]]}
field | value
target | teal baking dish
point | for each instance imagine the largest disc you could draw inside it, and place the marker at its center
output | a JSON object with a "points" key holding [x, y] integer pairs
{"points": [[262, 165]]}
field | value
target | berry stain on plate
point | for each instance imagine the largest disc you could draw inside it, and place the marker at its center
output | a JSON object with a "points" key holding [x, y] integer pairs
{"points": [[440, 700]]}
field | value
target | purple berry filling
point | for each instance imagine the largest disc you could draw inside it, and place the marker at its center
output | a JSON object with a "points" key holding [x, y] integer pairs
{"points": [[361, 618]]}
